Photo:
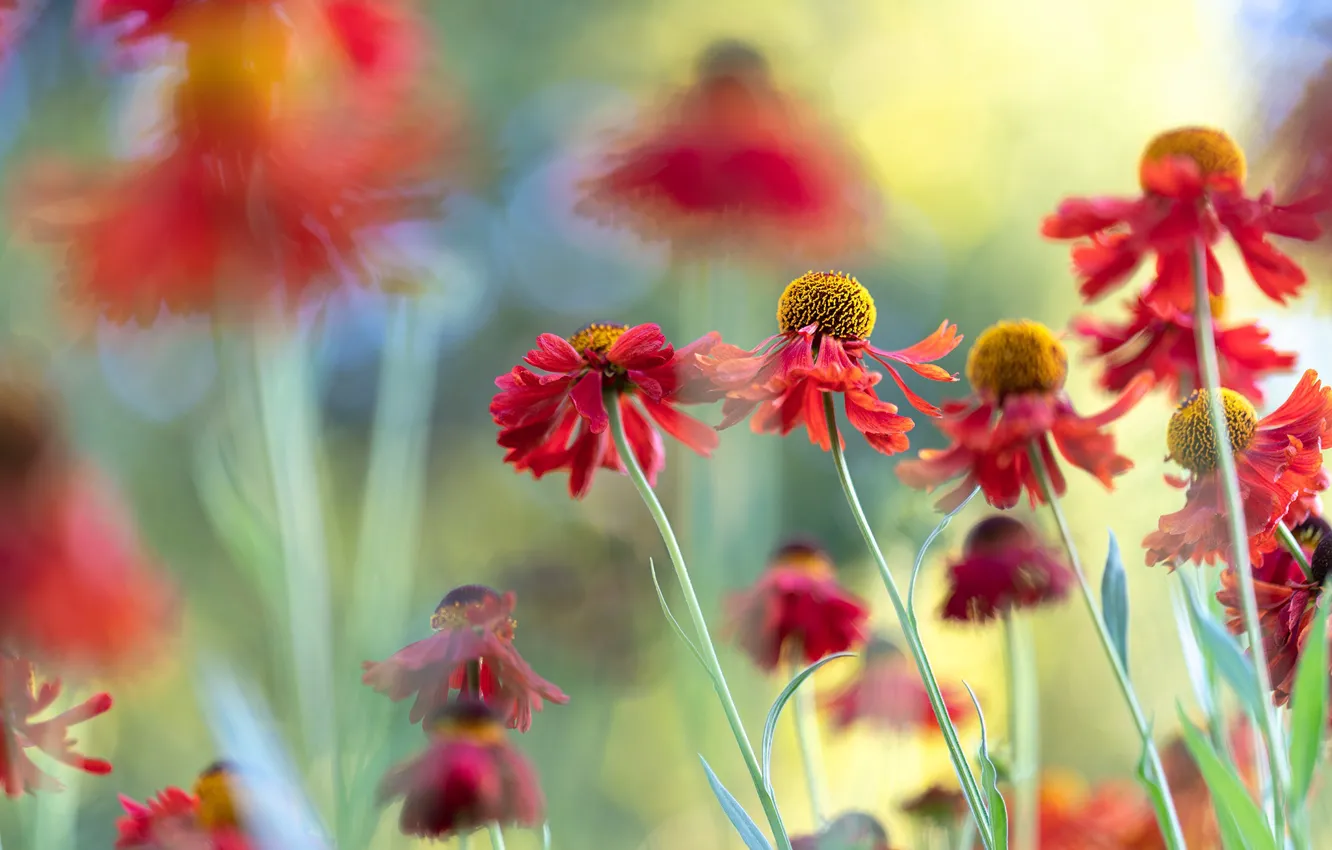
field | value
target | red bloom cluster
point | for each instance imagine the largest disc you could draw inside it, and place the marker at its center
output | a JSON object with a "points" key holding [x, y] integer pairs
{"points": [[1074, 817], [1004, 566], [21, 700], [888, 692], [208, 819]]}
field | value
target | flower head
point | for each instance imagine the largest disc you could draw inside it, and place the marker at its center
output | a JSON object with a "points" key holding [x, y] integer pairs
{"points": [[559, 421], [824, 322], [1193, 192], [208, 819], [469, 776], [1017, 372], [796, 610], [1004, 566], [847, 831], [21, 700], [1278, 459], [888, 693], [1075, 817], [937, 806], [473, 637]]}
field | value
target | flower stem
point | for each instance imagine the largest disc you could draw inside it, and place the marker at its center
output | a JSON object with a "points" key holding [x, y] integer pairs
{"points": [[1023, 732], [967, 779], [1239, 536], [496, 837], [705, 644], [811, 755], [1293, 546], [1171, 829]]}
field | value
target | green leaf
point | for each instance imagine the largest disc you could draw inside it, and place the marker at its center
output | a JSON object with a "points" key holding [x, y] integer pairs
{"points": [[1308, 712], [1229, 796], [675, 624], [735, 813], [545, 836], [1194, 662], [1224, 652], [1156, 792], [924, 547], [994, 801], [1114, 600], [770, 725]]}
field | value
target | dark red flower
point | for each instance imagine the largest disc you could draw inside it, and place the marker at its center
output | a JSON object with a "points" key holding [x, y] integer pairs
{"points": [[888, 692], [937, 806], [848, 831], [1017, 372], [21, 700], [796, 610], [1278, 459], [559, 421], [469, 777], [176, 820], [1193, 189], [1160, 341], [824, 321], [734, 165], [1004, 566], [474, 628]]}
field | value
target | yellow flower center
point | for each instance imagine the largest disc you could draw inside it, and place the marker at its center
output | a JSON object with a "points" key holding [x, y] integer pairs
{"points": [[1191, 438], [834, 301], [598, 337], [469, 720], [1010, 358], [1214, 152], [217, 802], [1218, 305], [803, 557], [236, 57]]}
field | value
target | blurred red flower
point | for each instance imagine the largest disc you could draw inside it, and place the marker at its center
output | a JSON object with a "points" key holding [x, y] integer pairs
{"points": [[1004, 566], [888, 692], [733, 165], [21, 700], [474, 630], [937, 806], [176, 820], [1017, 372], [824, 321], [469, 777], [1073, 817], [1278, 459], [847, 831], [1193, 190], [560, 422], [796, 610]]}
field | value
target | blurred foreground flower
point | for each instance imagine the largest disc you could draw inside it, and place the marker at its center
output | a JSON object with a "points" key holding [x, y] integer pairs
{"points": [[1277, 458], [469, 777], [208, 819], [1193, 190], [887, 692], [733, 165], [1004, 566], [559, 421], [474, 630], [849, 831], [824, 322], [796, 610], [21, 700], [1074, 817], [1017, 372], [937, 807], [1193, 801]]}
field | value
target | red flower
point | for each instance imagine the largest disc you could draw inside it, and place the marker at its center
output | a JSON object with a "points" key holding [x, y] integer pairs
{"points": [[144, 825], [824, 320], [937, 806], [176, 820], [469, 777], [734, 165], [1193, 189], [1278, 459], [1161, 343], [888, 692], [1073, 817], [796, 610], [1004, 566], [560, 421], [1017, 372], [21, 700], [474, 629], [848, 831]]}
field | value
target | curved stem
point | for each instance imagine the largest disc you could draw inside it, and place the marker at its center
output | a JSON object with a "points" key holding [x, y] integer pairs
{"points": [[1293, 546], [1239, 535], [1023, 732], [496, 837], [705, 645], [1172, 830], [965, 777], [811, 755]]}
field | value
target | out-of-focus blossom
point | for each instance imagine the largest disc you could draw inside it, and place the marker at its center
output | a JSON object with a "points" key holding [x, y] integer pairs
{"points": [[847, 831], [734, 165], [888, 692], [1277, 458], [15, 18], [1074, 817], [208, 819], [796, 610], [21, 700], [1304, 140], [1017, 372], [474, 630], [937, 806], [1193, 191], [1160, 341], [1004, 566], [824, 322], [469, 777], [560, 421]]}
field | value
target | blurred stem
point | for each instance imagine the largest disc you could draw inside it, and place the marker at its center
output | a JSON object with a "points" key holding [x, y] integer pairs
{"points": [[1216, 721], [961, 766], [1239, 536], [612, 401], [811, 755], [1023, 730], [1171, 829], [496, 837], [1293, 546]]}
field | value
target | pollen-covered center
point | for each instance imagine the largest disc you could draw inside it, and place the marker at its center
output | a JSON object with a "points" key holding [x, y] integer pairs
{"points": [[834, 301], [1214, 152], [597, 336], [1190, 437], [217, 799], [468, 720], [475, 606], [1010, 358]]}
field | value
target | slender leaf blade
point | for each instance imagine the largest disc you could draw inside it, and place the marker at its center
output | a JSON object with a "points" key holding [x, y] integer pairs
{"points": [[994, 801], [1156, 792], [1194, 661], [1229, 796], [735, 813], [1308, 720], [1114, 600], [1231, 662], [924, 547], [770, 725], [675, 624]]}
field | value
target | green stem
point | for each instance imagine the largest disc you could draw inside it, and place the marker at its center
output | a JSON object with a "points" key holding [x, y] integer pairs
{"points": [[705, 644], [1172, 830], [811, 755], [967, 779], [1023, 732], [1293, 546], [496, 837], [1239, 535]]}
